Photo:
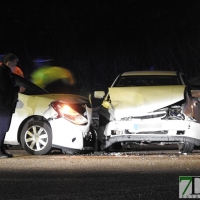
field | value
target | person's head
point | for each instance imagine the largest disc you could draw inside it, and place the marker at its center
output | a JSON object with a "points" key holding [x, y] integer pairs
{"points": [[10, 60]]}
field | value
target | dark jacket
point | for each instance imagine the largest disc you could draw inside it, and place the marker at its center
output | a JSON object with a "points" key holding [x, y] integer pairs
{"points": [[8, 89]]}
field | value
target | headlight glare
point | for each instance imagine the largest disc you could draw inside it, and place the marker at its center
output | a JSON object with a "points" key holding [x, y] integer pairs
{"points": [[69, 113]]}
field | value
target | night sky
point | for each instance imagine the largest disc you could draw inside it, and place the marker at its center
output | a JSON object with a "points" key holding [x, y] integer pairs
{"points": [[98, 39]]}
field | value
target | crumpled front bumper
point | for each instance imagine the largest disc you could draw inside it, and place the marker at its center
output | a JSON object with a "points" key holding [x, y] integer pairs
{"points": [[147, 138], [65, 133], [139, 131]]}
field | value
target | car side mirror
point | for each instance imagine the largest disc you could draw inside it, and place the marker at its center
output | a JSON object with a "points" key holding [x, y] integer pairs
{"points": [[99, 94]]}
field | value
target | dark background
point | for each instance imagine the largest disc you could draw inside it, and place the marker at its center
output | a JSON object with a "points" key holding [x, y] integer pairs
{"points": [[98, 39]]}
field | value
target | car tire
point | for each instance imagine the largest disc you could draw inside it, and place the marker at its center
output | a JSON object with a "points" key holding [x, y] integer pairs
{"points": [[36, 137], [186, 147]]}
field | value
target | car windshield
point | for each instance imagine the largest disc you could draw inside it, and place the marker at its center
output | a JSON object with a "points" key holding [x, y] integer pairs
{"points": [[128, 81], [31, 88]]}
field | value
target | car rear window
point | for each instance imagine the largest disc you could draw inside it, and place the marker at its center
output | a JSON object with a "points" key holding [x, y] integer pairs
{"points": [[126, 81], [31, 88]]}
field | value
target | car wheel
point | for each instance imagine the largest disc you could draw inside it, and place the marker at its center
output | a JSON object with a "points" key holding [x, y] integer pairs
{"points": [[36, 137], [186, 147]]}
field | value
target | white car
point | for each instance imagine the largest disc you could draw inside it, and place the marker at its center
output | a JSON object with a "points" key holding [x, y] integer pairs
{"points": [[43, 121], [150, 107]]}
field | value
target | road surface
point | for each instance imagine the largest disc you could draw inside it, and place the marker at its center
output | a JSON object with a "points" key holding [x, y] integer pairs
{"points": [[151, 173]]}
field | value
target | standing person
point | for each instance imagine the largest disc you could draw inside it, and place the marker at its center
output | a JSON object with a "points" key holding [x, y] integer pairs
{"points": [[8, 98]]}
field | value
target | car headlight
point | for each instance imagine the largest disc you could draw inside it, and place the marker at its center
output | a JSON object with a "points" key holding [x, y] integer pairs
{"points": [[67, 112]]}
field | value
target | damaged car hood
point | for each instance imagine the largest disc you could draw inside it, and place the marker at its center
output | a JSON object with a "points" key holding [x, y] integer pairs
{"points": [[138, 101]]}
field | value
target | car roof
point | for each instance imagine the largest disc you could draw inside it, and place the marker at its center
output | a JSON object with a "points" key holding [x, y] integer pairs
{"points": [[156, 73]]}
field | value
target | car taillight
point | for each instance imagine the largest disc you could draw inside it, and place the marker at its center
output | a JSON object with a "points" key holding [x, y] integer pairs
{"points": [[68, 113]]}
